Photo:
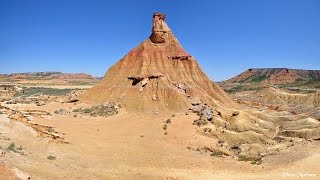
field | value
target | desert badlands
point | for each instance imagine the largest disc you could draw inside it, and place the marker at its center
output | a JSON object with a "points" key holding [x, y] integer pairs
{"points": [[155, 115]]}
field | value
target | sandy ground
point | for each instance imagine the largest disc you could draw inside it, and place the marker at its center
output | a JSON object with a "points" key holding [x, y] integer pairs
{"points": [[133, 146], [6, 173]]}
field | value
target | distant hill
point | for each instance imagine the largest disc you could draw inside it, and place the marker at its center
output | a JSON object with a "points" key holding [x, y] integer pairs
{"points": [[99, 77], [257, 78], [48, 78]]}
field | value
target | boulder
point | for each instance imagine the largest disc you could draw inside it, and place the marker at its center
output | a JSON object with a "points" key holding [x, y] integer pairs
{"points": [[195, 101], [207, 113], [196, 109], [21, 175]]}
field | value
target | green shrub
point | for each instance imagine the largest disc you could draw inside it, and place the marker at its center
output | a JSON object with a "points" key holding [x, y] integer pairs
{"points": [[87, 110], [218, 153], [77, 110], [108, 109], [165, 127], [11, 147], [19, 148], [168, 121], [253, 159], [51, 157]]}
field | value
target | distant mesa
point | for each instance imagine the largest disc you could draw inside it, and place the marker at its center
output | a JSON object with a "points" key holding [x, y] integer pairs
{"points": [[157, 75], [256, 78], [275, 76], [48, 78]]}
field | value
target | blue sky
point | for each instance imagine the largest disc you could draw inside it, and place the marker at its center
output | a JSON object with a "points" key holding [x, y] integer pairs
{"points": [[225, 36]]}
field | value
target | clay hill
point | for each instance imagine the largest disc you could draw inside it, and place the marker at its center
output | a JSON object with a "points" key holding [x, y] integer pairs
{"points": [[48, 78], [281, 99], [157, 75], [287, 97], [262, 77]]}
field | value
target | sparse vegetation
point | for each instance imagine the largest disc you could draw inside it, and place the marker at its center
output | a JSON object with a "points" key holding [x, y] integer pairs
{"points": [[12, 147], [301, 91], [240, 88], [88, 110], [301, 84], [77, 110], [258, 79], [61, 111], [218, 153], [40, 90], [306, 85], [207, 130], [165, 127], [235, 147], [200, 122], [108, 109], [19, 148], [253, 159], [51, 130], [51, 157]]}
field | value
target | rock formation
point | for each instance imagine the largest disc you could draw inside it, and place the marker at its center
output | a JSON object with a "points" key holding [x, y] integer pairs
{"points": [[160, 76], [157, 75], [160, 29]]}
